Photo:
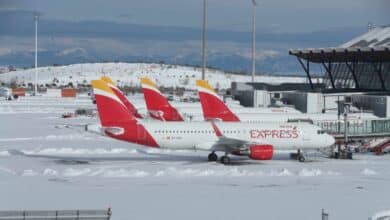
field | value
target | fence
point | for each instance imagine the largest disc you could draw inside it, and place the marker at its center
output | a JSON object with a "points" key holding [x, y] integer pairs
{"points": [[324, 215], [57, 215]]}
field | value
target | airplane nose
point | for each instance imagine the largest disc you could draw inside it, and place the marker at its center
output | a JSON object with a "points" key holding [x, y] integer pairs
{"points": [[330, 140]]}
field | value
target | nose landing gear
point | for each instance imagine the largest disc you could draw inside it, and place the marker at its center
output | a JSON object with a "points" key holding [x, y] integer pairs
{"points": [[298, 156], [213, 157], [301, 158]]}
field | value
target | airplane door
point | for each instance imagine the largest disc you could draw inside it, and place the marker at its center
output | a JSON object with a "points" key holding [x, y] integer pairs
{"points": [[305, 136]]}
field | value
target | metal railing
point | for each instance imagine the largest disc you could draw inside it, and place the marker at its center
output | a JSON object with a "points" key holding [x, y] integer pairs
{"points": [[361, 127], [56, 215]]}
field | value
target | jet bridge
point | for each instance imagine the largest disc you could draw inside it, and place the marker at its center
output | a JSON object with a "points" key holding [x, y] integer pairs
{"points": [[365, 128]]}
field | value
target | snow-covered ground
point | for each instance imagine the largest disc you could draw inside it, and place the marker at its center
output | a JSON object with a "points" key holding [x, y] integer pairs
{"points": [[47, 164], [129, 74]]}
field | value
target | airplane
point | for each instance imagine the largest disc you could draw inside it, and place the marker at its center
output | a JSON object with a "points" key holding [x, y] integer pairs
{"points": [[159, 107], [133, 110], [214, 108], [255, 140]]}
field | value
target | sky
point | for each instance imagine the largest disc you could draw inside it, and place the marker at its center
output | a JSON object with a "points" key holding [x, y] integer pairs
{"points": [[76, 31], [275, 15]]}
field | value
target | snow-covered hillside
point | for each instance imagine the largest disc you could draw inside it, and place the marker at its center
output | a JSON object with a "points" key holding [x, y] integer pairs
{"points": [[129, 73]]}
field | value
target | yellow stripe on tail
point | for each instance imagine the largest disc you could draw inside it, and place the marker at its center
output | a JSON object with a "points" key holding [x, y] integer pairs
{"points": [[101, 85], [107, 80], [205, 85], [148, 82]]}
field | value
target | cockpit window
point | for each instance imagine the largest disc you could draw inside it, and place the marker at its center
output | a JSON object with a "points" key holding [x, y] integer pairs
{"points": [[321, 132]]}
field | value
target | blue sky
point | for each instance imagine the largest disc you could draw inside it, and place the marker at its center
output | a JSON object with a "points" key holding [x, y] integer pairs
{"points": [[273, 15]]}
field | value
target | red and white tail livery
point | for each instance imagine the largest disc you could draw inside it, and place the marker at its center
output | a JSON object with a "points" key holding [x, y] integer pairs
{"points": [[121, 96], [157, 104], [212, 105], [116, 121]]}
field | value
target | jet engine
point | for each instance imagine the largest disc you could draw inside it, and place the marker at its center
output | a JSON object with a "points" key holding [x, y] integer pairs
{"points": [[261, 152], [256, 152]]}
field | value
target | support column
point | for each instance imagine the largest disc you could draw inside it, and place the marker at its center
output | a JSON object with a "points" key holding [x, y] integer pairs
{"points": [[378, 70], [329, 71], [306, 68], [352, 69]]}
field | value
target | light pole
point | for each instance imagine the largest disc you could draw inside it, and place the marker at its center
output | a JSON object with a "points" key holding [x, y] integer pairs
{"points": [[204, 41], [36, 18], [254, 4]]}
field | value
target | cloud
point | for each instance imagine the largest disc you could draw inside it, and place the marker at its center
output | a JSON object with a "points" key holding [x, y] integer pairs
{"points": [[5, 51], [70, 51], [262, 54]]}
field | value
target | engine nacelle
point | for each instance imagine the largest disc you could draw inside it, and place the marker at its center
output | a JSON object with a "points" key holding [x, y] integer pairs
{"points": [[261, 152]]}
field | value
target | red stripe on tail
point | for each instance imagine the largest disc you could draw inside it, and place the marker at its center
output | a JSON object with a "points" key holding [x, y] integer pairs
{"points": [[215, 108], [115, 118]]}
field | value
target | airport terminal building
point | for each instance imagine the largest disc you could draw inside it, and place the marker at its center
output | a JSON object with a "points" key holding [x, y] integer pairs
{"points": [[357, 71], [358, 67]]}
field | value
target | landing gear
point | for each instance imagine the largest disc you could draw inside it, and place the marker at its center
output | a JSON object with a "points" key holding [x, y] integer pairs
{"points": [[213, 157], [298, 156], [301, 158], [225, 159]]}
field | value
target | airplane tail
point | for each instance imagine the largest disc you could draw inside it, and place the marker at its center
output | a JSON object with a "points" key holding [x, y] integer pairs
{"points": [[121, 96], [157, 104], [117, 122], [213, 106]]}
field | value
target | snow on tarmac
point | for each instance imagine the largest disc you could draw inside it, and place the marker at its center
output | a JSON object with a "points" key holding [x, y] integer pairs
{"points": [[44, 165]]}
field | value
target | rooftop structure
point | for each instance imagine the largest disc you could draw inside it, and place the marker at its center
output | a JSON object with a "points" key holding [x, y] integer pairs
{"points": [[361, 64]]}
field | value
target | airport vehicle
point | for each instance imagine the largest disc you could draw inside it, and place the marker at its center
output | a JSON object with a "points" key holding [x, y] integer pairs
{"points": [[6, 93], [255, 140], [159, 107], [214, 108]]}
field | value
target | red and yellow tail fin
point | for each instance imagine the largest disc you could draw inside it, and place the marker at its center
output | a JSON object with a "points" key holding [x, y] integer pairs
{"points": [[112, 112], [117, 122], [121, 96], [157, 104], [212, 105]]}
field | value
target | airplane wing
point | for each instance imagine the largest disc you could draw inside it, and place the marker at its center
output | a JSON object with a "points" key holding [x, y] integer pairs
{"points": [[228, 144]]}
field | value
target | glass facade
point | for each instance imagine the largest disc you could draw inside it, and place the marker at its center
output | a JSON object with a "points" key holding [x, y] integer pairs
{"points": [[376, 126]]}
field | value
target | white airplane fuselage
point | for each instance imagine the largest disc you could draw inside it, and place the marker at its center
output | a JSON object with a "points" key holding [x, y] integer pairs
{"points": [[201, 135]]}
